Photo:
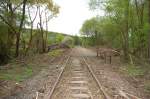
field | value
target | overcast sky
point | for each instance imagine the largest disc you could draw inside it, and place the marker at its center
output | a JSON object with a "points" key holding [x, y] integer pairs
{"points": [[72, 15]]}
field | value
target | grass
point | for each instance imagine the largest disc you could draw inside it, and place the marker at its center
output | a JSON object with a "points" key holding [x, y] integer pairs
{"points": [[55, 53], [16, 73], [19, 72], [138, 71], [147, 87], [133, 70]]}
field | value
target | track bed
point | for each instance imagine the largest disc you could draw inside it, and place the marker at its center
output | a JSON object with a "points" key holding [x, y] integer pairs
{"points": [[76, 82]]}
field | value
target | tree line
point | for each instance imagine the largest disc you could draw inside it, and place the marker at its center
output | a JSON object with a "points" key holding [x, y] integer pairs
{"points": [[125, 26], [17, 20]]}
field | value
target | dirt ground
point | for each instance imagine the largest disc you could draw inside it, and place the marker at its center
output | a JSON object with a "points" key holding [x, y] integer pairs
{"points": [[41, 82], [76, 82], [108, 74]]}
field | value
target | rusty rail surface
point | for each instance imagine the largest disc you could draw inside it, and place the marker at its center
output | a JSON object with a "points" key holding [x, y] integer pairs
{"points": [[97, 81], [49, 94], [121, 94]]}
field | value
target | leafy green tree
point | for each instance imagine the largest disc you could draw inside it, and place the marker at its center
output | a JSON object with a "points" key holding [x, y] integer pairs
{"points": [[126, 21], [77, 40], [13, 17], [59, 38], [91, 29], [69, 41]]}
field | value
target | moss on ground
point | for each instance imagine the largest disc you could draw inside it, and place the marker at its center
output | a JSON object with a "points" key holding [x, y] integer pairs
{"points": [[55, 53], [133, 70], [16, 73], [138, 71], [147, 87], [20, 71]]}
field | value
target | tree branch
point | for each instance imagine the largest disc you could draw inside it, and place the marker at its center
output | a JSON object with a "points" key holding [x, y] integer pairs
{"points": [[11, 27], [23, 15]]}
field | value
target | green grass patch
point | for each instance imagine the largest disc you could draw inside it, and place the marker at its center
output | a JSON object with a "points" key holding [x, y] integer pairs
{"points": [[17, 73], [55, 53], [133, 70], [147, 87]]}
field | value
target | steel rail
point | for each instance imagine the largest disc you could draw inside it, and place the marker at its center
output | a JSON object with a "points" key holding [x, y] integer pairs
{"points": [[50, 92], [127, 95], [97, 81]]}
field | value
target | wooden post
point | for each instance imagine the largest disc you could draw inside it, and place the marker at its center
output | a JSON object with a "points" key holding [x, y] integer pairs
{"points": [[105, 57], [97, 50], [110, 59]]}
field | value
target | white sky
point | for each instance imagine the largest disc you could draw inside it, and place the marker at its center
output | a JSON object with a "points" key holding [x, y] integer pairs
{"points": [[72, 15]]}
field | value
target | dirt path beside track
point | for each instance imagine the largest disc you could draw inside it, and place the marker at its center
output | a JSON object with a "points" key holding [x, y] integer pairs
{"points": [[76, 81]]}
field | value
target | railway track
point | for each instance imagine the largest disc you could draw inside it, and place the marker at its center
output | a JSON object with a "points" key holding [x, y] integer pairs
{"points": [[97, 81], [77, 81], [49, 94], [121, 93]]}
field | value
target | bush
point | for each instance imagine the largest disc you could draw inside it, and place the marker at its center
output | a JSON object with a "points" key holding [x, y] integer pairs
{"points": [[55, 53]]}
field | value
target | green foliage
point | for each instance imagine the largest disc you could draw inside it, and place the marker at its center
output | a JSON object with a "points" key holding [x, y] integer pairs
{"points": [[68, 41], [92, 29], [59, 38], [90, 26], [55, 53], [77, 40], [16, 73], [54, 37], [14, 18], [133, 70], [147, 87], [124, 26], [5, 40], [96, 4], [87, 41], [101, 30], [49, 4]]}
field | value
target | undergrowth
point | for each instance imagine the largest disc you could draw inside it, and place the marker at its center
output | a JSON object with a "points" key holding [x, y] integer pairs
{"points": [[21, 71], [133, 70], [55, 53], [147, 87], [137, 71], [16, 73]]}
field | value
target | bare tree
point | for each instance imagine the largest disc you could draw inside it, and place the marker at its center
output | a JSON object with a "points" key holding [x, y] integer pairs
{"points": [[32, 23]]}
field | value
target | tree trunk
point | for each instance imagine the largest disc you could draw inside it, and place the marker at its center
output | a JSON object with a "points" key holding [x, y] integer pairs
{"points": [[30, 41], [149, 30], [20, 28], [41, 30], [46, 31], [11, 21], [126, 34], [31, 30]]}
